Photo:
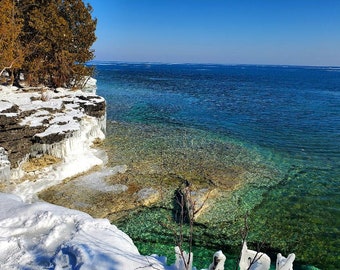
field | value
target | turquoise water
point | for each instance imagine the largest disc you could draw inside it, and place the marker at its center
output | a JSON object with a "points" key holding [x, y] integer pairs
{"points": [[286, 117]]}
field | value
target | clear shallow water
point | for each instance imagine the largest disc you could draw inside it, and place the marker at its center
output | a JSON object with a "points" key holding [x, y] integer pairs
{"points": [[290, 116]]}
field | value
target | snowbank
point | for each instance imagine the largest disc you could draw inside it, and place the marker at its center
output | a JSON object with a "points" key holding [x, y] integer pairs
{"points": [[45, 236]]}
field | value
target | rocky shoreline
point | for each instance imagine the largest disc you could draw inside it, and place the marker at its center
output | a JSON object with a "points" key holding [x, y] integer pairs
{"points": [[46, 137], [50, 135], [42, 130]]}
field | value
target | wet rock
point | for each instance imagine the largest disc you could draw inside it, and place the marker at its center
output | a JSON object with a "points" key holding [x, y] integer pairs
{"points": [[203, 199], [118, 188], [119, 169], [147, 196]]}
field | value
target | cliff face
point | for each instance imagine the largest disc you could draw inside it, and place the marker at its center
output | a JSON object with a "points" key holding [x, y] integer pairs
{"points": [[38, 122]]}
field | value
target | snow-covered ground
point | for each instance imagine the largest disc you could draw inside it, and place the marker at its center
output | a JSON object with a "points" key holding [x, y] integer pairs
{"points": [[44, 236]]}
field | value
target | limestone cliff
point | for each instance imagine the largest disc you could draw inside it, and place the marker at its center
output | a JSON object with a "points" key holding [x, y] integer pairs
{"points": [[38, 121]]}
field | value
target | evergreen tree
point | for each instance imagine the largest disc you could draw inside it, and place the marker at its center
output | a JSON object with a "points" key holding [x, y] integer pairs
{"points": [[82, 28], [11, 52], [59, 34]]}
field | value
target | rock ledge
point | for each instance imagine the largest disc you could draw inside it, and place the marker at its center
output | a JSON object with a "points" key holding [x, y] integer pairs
{"points": [[46, 121]]}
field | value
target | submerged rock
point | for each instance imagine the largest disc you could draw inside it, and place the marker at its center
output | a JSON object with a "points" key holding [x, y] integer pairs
{"points": [[148, 196]]}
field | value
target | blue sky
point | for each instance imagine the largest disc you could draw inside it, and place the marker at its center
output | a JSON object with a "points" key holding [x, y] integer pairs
{"points": [[286, 32]]}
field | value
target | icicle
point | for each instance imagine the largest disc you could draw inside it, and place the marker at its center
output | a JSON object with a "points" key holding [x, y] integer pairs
{"points": [[5, 165], [78, 141], [18, 172]]}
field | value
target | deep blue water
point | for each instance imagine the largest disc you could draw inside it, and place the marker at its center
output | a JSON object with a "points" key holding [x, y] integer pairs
{"points": [[293, 112]]}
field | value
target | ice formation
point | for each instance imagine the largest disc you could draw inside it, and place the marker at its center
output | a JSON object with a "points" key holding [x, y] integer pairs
{"points": [[253, 260], [61, 123], [183, 259], [218, 261], [283, 263], [90, 85], [5, 166]]}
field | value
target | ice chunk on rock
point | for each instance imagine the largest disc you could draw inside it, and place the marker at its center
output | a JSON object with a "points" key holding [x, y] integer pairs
{"points": [[5, 165]]}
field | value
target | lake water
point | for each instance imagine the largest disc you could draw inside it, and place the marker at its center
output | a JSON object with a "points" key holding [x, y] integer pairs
{"points": [[286, 118]]}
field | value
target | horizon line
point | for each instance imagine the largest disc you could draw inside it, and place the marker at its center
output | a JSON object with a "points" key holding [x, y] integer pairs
{"points": [[209, 63]]}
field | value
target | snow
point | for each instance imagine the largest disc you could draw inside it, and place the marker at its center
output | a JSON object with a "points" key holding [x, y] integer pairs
{"points": [[36, 119], [253, 260], [5, 105], [77, 154], [283, 263], [54, 104], [65, 123], [65, 128], [9, 114], [218, 261], [91, 85], [4, 165], [45, 236]]}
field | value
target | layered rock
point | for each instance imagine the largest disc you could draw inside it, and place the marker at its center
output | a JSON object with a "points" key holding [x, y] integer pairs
{"points": [[56, 122]]}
